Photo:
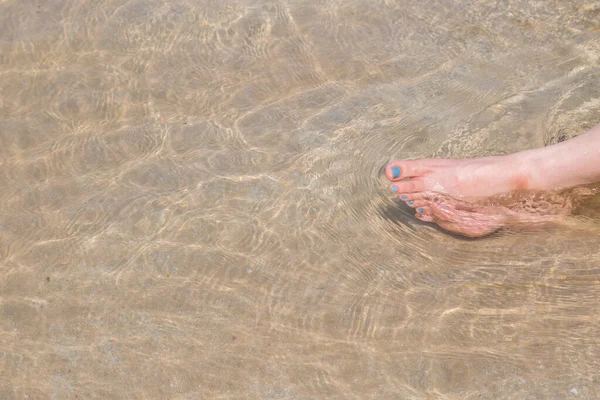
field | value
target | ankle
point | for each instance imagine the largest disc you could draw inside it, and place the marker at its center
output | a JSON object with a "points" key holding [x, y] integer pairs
{"points": [[517, 168], [543, 169]]}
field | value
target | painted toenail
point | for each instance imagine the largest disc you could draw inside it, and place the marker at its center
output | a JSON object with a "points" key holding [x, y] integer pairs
{"points": [[395, 188], [410, 202], [395, 172], [403, 197], [420, 210]]}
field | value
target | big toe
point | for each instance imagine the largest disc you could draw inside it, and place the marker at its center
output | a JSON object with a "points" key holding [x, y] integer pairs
{"points": [[401, 169]]}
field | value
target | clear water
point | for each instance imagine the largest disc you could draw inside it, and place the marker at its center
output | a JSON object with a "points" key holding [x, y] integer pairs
{"points": [[191, 205]]}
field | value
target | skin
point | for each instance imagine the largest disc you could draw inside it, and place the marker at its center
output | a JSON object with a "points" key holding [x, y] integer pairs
{"points": [[468, 196]]}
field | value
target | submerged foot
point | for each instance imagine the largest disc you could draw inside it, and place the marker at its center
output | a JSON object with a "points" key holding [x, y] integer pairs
{"points": [[529, 210], [475, 197]]}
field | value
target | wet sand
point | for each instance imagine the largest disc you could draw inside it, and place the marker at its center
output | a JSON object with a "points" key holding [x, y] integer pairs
{"points": [[191, 205]]}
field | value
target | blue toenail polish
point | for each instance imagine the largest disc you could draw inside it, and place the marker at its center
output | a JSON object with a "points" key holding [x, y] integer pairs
{"points": [[410, 202], [403, 197], [395, 172], [420, 210], [395, 188]]}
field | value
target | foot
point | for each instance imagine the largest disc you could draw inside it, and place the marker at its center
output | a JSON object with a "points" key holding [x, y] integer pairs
{"points": [[471, 196], [528, 210], [568, 164], [469, 179]]}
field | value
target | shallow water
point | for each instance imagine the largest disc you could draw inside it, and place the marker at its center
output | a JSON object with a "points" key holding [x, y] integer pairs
{"points": [[191, 205]]}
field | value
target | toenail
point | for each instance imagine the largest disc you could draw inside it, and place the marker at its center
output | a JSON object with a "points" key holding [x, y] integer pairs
{"points": [[410, 202], [395, 172], [403, 197], [395, 188], [420, 210]]}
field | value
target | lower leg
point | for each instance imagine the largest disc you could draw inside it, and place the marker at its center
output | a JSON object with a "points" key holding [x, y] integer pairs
{"points": [[571, 163]]}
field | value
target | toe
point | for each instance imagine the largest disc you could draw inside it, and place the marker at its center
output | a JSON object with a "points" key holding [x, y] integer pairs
{"points": [[422, 210], [410, 186], [423, 213], [398, 170], [417, 203], [413, 196]]}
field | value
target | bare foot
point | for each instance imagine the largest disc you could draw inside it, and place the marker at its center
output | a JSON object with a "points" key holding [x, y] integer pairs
{"points": [[568, 164], [469, 179], [528, 210], [458, 194]]}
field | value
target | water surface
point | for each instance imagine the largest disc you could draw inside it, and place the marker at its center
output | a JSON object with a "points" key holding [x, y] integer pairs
{"points": [[191, 205]]}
